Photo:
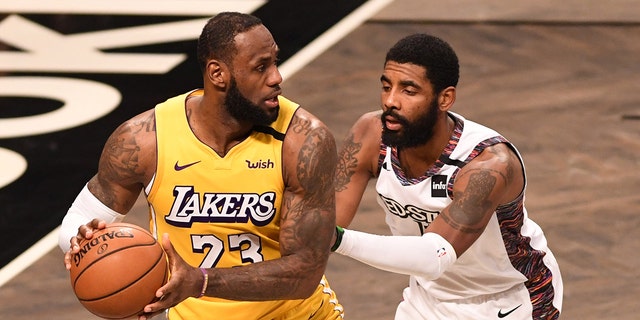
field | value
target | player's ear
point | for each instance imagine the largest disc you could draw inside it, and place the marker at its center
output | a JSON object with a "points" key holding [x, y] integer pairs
{"points": [[216, 73], [446, 98]]}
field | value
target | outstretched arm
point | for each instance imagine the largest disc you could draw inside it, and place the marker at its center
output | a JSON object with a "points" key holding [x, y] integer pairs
{"points": [[493, 178]]}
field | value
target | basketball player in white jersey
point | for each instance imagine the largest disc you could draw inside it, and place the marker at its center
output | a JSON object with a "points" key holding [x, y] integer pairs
{"points": [[453, 194]]}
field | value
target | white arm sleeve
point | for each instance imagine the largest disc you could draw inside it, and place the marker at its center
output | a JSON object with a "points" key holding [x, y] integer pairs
{"points": [[85, 208], [427, 256]]}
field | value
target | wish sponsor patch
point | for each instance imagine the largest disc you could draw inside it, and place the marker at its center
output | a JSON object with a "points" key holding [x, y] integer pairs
{"points": [[439, 186]]}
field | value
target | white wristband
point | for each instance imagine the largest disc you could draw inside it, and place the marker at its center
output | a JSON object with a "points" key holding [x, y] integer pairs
{"points": [[85, 208], [427, 256]]}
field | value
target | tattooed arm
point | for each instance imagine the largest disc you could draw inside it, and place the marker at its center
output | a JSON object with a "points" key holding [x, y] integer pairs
{"points": [[308, 214], [357, 164], [306, 226], [126, 163], [493, 178]]}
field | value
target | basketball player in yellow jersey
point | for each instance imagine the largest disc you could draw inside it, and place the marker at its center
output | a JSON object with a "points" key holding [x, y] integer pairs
{"points": [[240, 185]]}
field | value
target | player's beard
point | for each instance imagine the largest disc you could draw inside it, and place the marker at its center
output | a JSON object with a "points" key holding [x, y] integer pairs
{"points": [[414, 133], [244, 110]]}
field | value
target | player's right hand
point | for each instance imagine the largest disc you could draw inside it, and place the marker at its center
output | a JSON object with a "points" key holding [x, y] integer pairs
{"points": [[185, 281], [85, 231]]}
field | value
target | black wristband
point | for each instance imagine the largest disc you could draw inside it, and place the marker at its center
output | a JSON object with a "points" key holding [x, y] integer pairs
{"points": [[339, 234]]}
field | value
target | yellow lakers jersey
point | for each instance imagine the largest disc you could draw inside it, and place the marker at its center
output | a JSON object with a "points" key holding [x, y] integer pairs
{"points": [[220, 212]]}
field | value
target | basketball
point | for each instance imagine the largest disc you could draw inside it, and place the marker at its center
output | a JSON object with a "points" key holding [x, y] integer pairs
{"points": [[118, 271]]}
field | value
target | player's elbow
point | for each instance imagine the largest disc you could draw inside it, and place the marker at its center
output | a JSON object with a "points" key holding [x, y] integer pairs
{"points": [[308, 286], [309, 276], [430, 272], [442, 256], [305, 292]]}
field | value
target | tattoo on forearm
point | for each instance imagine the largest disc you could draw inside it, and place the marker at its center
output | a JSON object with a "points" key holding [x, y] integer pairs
{"points": [[347, 162]]}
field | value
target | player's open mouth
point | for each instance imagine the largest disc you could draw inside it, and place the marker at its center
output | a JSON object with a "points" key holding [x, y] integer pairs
{"points": [[391, 124], [272, 102]]}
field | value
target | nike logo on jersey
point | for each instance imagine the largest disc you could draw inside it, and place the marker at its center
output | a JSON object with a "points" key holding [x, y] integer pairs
{"points": [[178, 167], [502, 315]]}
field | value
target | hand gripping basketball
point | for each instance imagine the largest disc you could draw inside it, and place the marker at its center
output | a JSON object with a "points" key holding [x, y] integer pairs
{"points": [[185, 281], [117, 272]]}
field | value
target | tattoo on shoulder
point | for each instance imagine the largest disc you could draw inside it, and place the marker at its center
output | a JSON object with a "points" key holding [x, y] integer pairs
{"points": [[347, 162], [121, 156], [301, 125], [147, 124], [508, 158]]}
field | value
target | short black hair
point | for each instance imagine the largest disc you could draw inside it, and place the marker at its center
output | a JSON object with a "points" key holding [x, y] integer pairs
{"points": [[217, 37], [430, 52]]}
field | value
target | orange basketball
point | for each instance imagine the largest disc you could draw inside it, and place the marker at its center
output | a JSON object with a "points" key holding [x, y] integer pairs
{"points": [[118, 271]]}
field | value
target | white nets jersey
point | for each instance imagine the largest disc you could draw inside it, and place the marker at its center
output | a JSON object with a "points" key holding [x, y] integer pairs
{"points": [[512, 251]]}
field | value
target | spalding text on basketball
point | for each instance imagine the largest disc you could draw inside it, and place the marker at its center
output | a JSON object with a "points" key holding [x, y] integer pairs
{"points": [[100, 242], [188, 207]]}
